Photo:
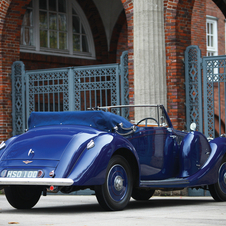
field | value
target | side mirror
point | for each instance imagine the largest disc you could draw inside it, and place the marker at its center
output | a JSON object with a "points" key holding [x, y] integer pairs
{"points": [[193, 126]]}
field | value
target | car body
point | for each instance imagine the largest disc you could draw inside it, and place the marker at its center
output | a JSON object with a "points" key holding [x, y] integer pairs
{"points": [[105, 152]]}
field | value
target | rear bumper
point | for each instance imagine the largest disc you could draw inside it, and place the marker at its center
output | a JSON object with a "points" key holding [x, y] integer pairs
{"points": [[36, 181]]}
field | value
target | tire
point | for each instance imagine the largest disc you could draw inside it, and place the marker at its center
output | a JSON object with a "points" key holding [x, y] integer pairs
{"points": [[23, 197], [218, 190], [115, 193], [142, 194]]}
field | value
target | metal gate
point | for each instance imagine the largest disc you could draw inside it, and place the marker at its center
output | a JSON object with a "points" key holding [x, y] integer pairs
{"points": [[205, 80], [67, 89]]}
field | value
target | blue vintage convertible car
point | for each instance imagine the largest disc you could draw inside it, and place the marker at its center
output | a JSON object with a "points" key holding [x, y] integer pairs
{"points": [[70, 151]]}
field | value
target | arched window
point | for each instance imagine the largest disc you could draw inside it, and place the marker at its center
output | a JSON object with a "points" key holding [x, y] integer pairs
{"points": [[58, 27]]}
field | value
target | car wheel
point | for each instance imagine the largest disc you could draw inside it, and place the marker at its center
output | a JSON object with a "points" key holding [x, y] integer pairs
{"points": [[218, 190], [23, 197], [115, 193], [142, 194]]}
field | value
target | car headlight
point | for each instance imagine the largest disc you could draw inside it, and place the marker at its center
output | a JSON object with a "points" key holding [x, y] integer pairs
{"points": [[2, 145]]}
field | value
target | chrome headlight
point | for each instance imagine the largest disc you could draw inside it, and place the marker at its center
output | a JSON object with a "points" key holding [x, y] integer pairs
{"points": [[2, 145]]}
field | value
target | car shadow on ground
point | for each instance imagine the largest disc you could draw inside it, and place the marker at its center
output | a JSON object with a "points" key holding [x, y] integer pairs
{"points": [[166, 202], [92, 208]]}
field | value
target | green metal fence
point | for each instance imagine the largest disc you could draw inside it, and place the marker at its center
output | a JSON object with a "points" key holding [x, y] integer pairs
{"points": [[67, 89], [205, 80]]}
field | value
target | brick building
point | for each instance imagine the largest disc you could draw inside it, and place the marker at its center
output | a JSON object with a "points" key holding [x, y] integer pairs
{"points": [[49, 34], [211, 41]]}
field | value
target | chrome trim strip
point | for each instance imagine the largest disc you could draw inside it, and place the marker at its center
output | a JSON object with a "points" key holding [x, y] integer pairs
{"points": [[37, 181], [176, 181], [132, 105]]}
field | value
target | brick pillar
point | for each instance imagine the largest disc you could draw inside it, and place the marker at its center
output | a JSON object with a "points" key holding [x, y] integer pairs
{"points": [[178, 36], [198, 26]]}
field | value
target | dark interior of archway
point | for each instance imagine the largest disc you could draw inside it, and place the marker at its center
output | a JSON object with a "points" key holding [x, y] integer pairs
{"points": [[222, 5]]}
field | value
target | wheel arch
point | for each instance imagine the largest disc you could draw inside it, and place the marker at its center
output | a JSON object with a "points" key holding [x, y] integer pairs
{"points": [[218, 190], [224, 156], [131, 159]]}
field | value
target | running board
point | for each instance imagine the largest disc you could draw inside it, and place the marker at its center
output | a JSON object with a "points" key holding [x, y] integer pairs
{"points": [[37, 181], [168, 182]]}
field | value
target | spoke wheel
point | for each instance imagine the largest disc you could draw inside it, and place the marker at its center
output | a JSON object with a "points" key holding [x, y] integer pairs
{"points": [[218, 190], [115, 193], [23, 197], [142, 194]]}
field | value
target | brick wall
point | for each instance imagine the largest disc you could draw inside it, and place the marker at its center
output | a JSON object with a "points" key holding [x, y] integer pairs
{"points": [[10, 22], [198, 26], [185, 24], [122, 44], [178, 36], [198, 32]]}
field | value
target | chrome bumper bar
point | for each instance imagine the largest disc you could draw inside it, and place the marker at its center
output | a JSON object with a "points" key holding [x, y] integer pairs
{"points": [[37, 181]]}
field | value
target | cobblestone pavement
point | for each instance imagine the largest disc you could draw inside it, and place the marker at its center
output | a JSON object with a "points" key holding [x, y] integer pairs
{"points": [[85, 211]]}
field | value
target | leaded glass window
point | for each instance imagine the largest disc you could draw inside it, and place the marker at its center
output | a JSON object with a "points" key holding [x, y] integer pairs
{"points": [[53, 24], [59, 26], [79, 37], [27, 28]]}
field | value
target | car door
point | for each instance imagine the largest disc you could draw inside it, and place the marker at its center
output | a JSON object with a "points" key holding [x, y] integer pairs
{"points": [[157, 150], [157, 147]]}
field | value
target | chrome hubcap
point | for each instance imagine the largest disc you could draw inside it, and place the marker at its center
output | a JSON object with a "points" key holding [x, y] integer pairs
{"points": [[118, 183]]}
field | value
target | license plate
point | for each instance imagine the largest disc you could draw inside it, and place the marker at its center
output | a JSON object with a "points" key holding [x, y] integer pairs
{"points": [[22, 174]]}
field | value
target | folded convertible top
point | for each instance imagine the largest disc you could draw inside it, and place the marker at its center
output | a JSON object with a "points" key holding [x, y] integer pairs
{"points": [[98, 119]]}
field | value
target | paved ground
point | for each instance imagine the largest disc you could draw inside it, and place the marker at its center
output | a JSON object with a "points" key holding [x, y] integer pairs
{"points": [[85, 211]]}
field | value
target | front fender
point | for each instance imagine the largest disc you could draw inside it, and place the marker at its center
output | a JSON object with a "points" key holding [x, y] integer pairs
{"points": [[194, 152], [208, 174], [218, 150], [90, 168]]}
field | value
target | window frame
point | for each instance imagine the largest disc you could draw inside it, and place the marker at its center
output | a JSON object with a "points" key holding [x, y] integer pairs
{"points": [[60, 52], [212, 51]]}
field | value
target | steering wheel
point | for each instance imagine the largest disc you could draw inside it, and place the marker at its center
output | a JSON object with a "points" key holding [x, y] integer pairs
{"points": [[145, 119]]}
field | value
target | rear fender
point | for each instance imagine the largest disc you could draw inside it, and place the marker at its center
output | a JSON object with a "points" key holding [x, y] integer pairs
{"points": [[7, 143], [90, 168]]}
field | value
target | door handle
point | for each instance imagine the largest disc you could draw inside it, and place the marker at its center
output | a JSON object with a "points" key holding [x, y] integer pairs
{"points": [[173, 136]]}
